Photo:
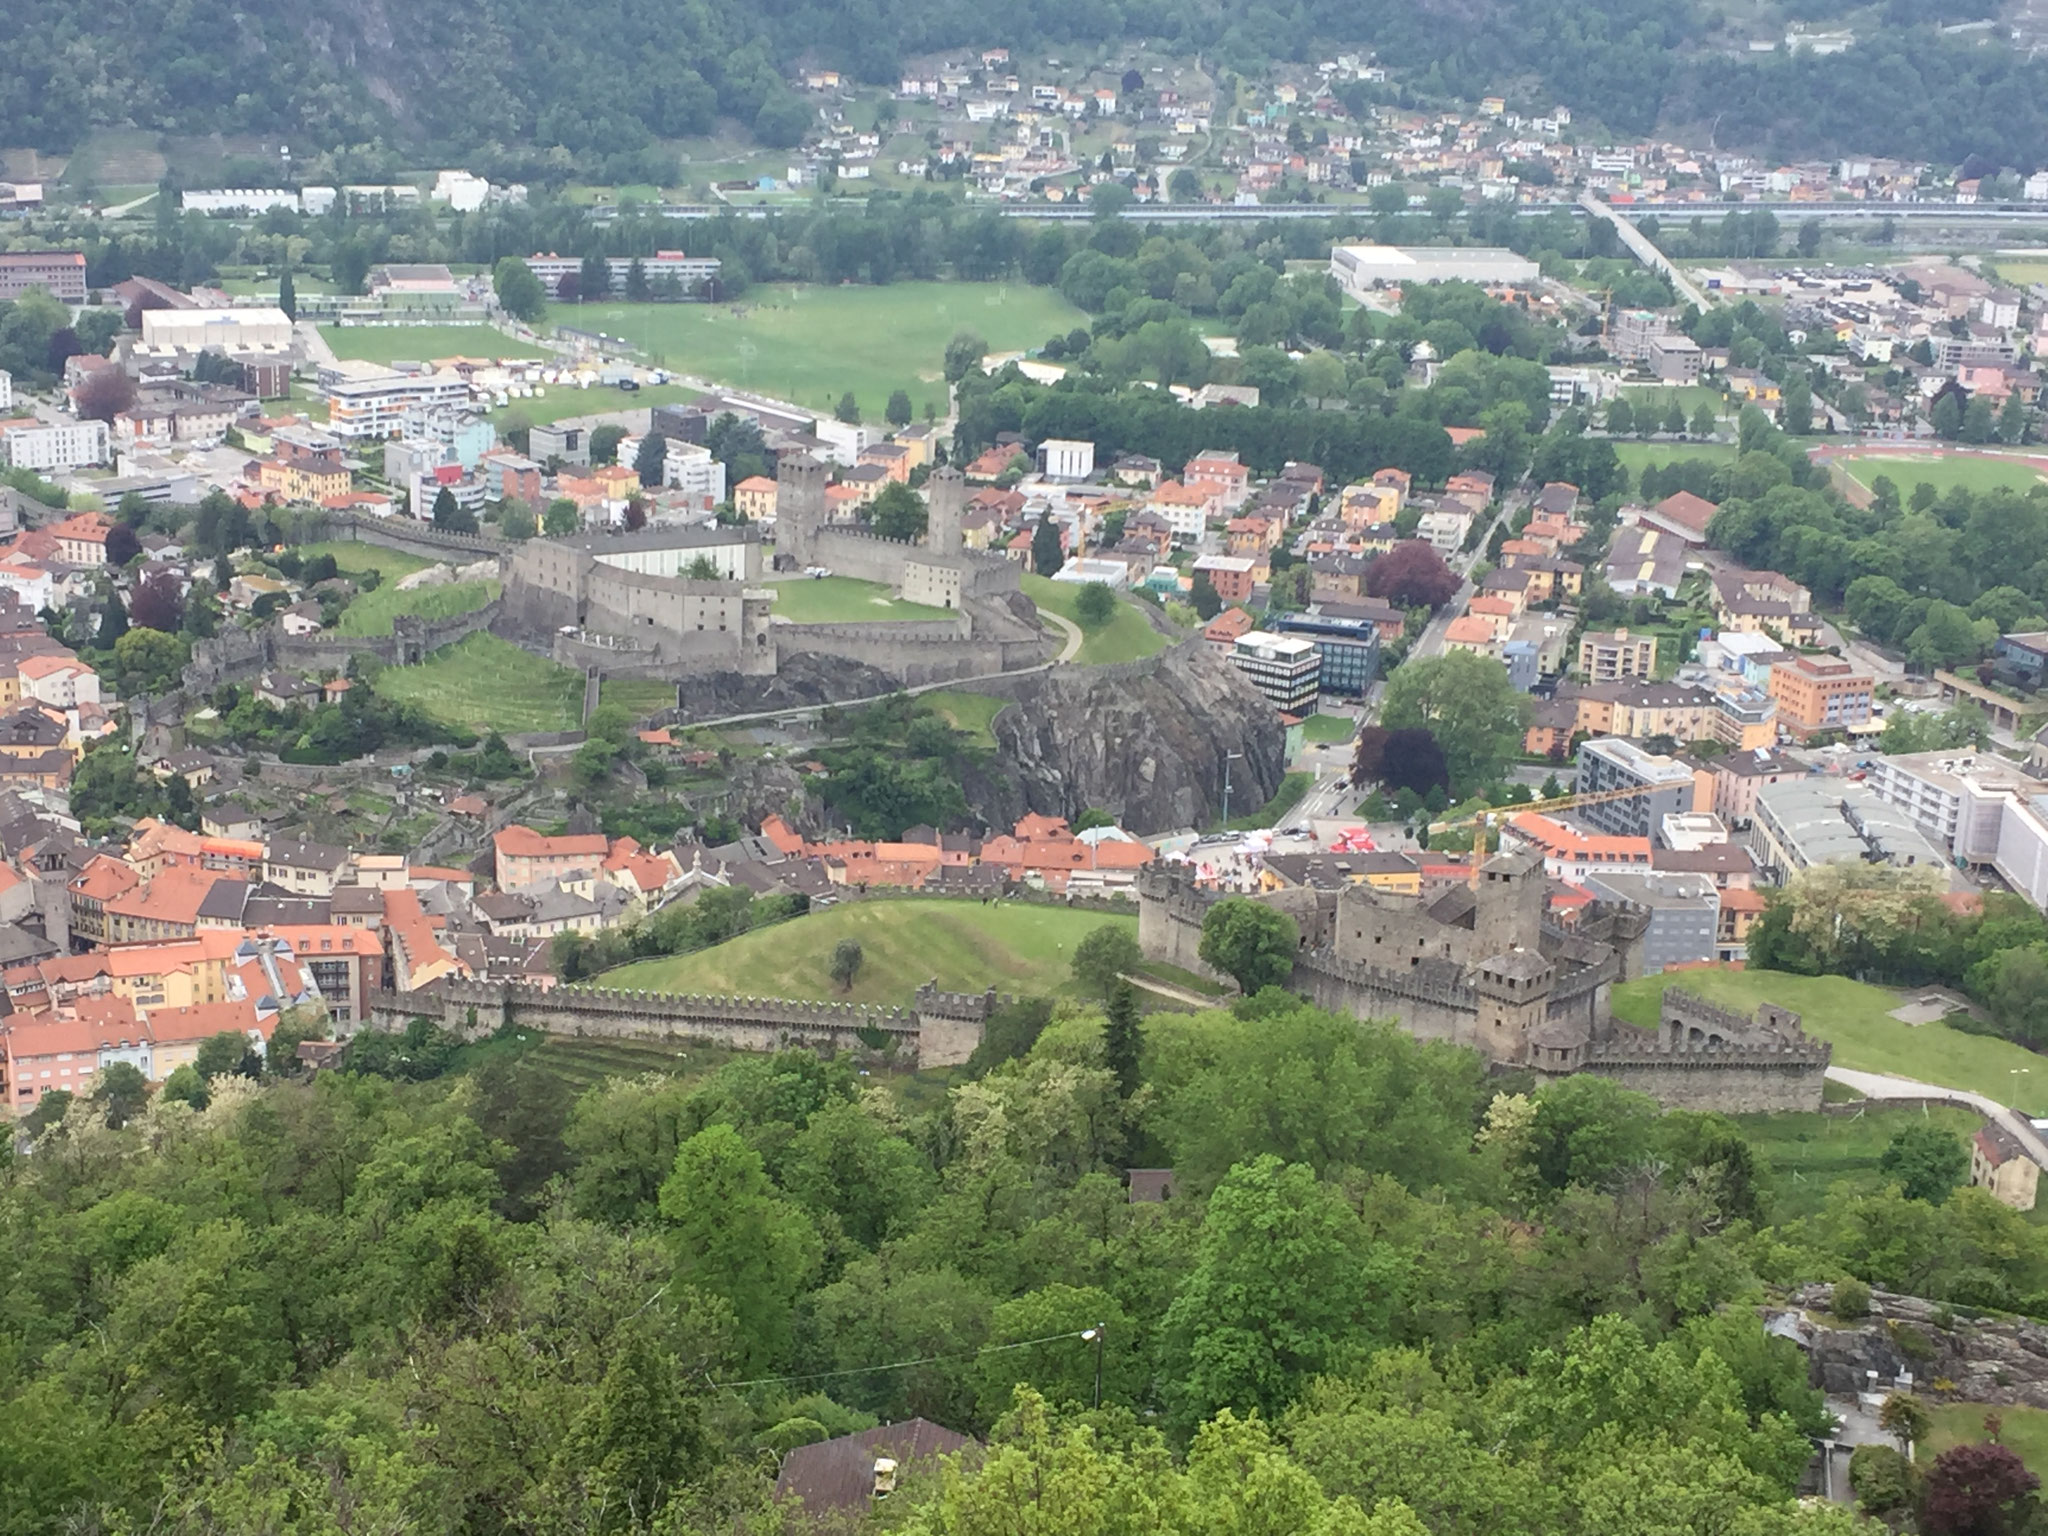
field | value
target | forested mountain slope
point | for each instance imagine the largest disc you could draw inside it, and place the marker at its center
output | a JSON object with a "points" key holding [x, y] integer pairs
{"points": [[466, 75]]}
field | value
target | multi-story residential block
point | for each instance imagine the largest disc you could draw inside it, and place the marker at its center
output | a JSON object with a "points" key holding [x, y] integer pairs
{"points": [[1287, 669], [61, 274], [1819, 694], [1607, 656], [366, 401], [1664, 787], [57, 446]]}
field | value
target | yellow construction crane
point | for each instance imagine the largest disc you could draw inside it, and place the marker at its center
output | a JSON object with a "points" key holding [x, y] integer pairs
{"points": [[1487, 818]]}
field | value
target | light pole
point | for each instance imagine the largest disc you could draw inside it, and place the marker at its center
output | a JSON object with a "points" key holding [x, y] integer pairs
{"points": [[1228, 759], [1094, 1336]]}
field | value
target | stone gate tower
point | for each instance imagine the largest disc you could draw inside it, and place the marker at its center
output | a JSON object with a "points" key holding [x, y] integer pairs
{"points": [[946, 500], [799, 508]]}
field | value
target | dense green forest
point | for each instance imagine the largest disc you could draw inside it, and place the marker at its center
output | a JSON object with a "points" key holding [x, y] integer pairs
{"points": [[507, 79], [1391, 1295]]}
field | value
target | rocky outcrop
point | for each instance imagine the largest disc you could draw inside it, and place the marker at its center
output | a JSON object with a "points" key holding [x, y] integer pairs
{"points": [[1145, 741], [1981, 1358], [806, 680]]}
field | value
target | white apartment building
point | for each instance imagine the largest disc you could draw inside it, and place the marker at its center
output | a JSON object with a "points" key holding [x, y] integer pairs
{"points": [[6, 390], [1066, 459], [245, 201], [695, 274], [365, 401], [58, 446], [1444, 530]]}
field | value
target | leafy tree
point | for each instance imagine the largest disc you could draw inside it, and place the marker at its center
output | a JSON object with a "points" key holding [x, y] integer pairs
{"points": [[1795, 406], [1283, 1281], [651, 462], [1204, 598], [113, 621], [516, 522], [1103, 956], [2012, 419], [156, 602], [1094, 605], [1885, 1483], [1978, 1490], [288, 294], [1927, 1162], [963, 355], [103, 394], [1621, 417], [1947, 418], [519, 291], [1411, 575], [148, 661], [1467, 704], [848, 409], [604, 443], [561, 518], [223, 1055], [1122, 1042], [899, 513], [185, 1086], [122, 545], [1047, 552], [1704, 422], [846, 961], [122, 1091], [898, 411], [1906, 1419], [735, 1238], [1250, 942]]}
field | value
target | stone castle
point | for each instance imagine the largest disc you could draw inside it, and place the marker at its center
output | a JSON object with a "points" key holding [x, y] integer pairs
{"points": [[1481, 966], [667, 602]]}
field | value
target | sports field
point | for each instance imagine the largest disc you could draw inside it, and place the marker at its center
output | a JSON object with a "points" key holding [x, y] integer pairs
{"points": [[813, 344], [1973, 472], [420, 343], [843, 600], [1126, 637], [2023, 271], [1016, 946], [1855, 1018], [487, 684], [1637, 457]]}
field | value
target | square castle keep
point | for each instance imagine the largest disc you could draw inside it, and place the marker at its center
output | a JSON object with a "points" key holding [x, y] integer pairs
{"points": [[1482, 966]]}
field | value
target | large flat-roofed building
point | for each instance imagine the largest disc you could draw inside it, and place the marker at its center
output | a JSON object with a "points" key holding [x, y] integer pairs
{"points": [[366, 401], [1954, 796], [695, 277], [1804, 823], [1684, 909], [1819, 694], [1287, 669], [60, 273], [230, 330], [59, 445], [1350, 647], [1360, 268], [1609, 764]]}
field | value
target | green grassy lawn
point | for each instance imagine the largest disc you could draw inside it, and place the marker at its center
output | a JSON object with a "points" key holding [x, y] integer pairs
{"points": [[417, 343], [486, 684], [1690, 397], [1972, 472], [583, 1063], [2019, 272], [1126, 637], [1854, 1017], [1174, 976], [1329, 728], [562, 400], [812, 344], [1637, 457], [2023, 1430], [372, 612], [1017, 947], [968, 713], [1806, 1156], [843, 600], [643, 696], [352, 558]]}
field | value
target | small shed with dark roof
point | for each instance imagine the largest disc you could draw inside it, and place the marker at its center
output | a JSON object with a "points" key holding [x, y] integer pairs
{"points": [[836, 1475]]}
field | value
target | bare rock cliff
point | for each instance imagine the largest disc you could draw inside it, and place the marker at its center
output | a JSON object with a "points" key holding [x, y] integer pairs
{"points": [[1145, 741]]}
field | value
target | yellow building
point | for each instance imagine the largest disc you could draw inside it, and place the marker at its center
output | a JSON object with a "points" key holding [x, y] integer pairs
{"points": [[299, 475], [1999, 1163], [754, 499]]}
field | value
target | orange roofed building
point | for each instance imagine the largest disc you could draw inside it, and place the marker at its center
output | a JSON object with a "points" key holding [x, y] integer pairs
{"points": [[525, 857]]}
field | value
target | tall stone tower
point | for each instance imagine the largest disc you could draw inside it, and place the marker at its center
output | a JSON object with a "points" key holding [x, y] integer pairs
{"points": [[1514, 1003], [945, 495], [799, 508], [1510, 898]]}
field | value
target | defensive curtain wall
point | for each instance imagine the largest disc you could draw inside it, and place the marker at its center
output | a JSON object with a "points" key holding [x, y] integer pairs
{"points": [[941, 1029], [1516, 988]]}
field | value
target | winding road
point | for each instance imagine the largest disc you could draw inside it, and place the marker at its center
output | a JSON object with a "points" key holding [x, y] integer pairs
{"points": [[1880, 1085]]}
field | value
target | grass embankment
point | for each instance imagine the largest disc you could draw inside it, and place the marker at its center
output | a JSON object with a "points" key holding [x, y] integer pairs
{"points": [[1322, 728], [1855, 1019], [2023, 1430], [1807, 1156], [580, 1063], [1127, 636], [1016, 947], [844, 600], [483, 683], [371, 613], [971, 714], [813, 344], [643, 696], [389, 344]]}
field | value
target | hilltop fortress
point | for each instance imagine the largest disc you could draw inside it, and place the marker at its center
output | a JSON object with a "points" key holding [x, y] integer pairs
{"points": [[671, 602], [1481, 966]]}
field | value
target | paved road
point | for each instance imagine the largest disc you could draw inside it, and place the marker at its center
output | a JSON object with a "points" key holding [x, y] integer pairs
{"points": [[1879, 1085], [1073, 633], [1640, 247]]}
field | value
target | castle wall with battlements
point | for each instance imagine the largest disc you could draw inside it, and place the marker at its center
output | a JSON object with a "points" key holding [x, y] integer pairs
{"points": [[942, 1029]]}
